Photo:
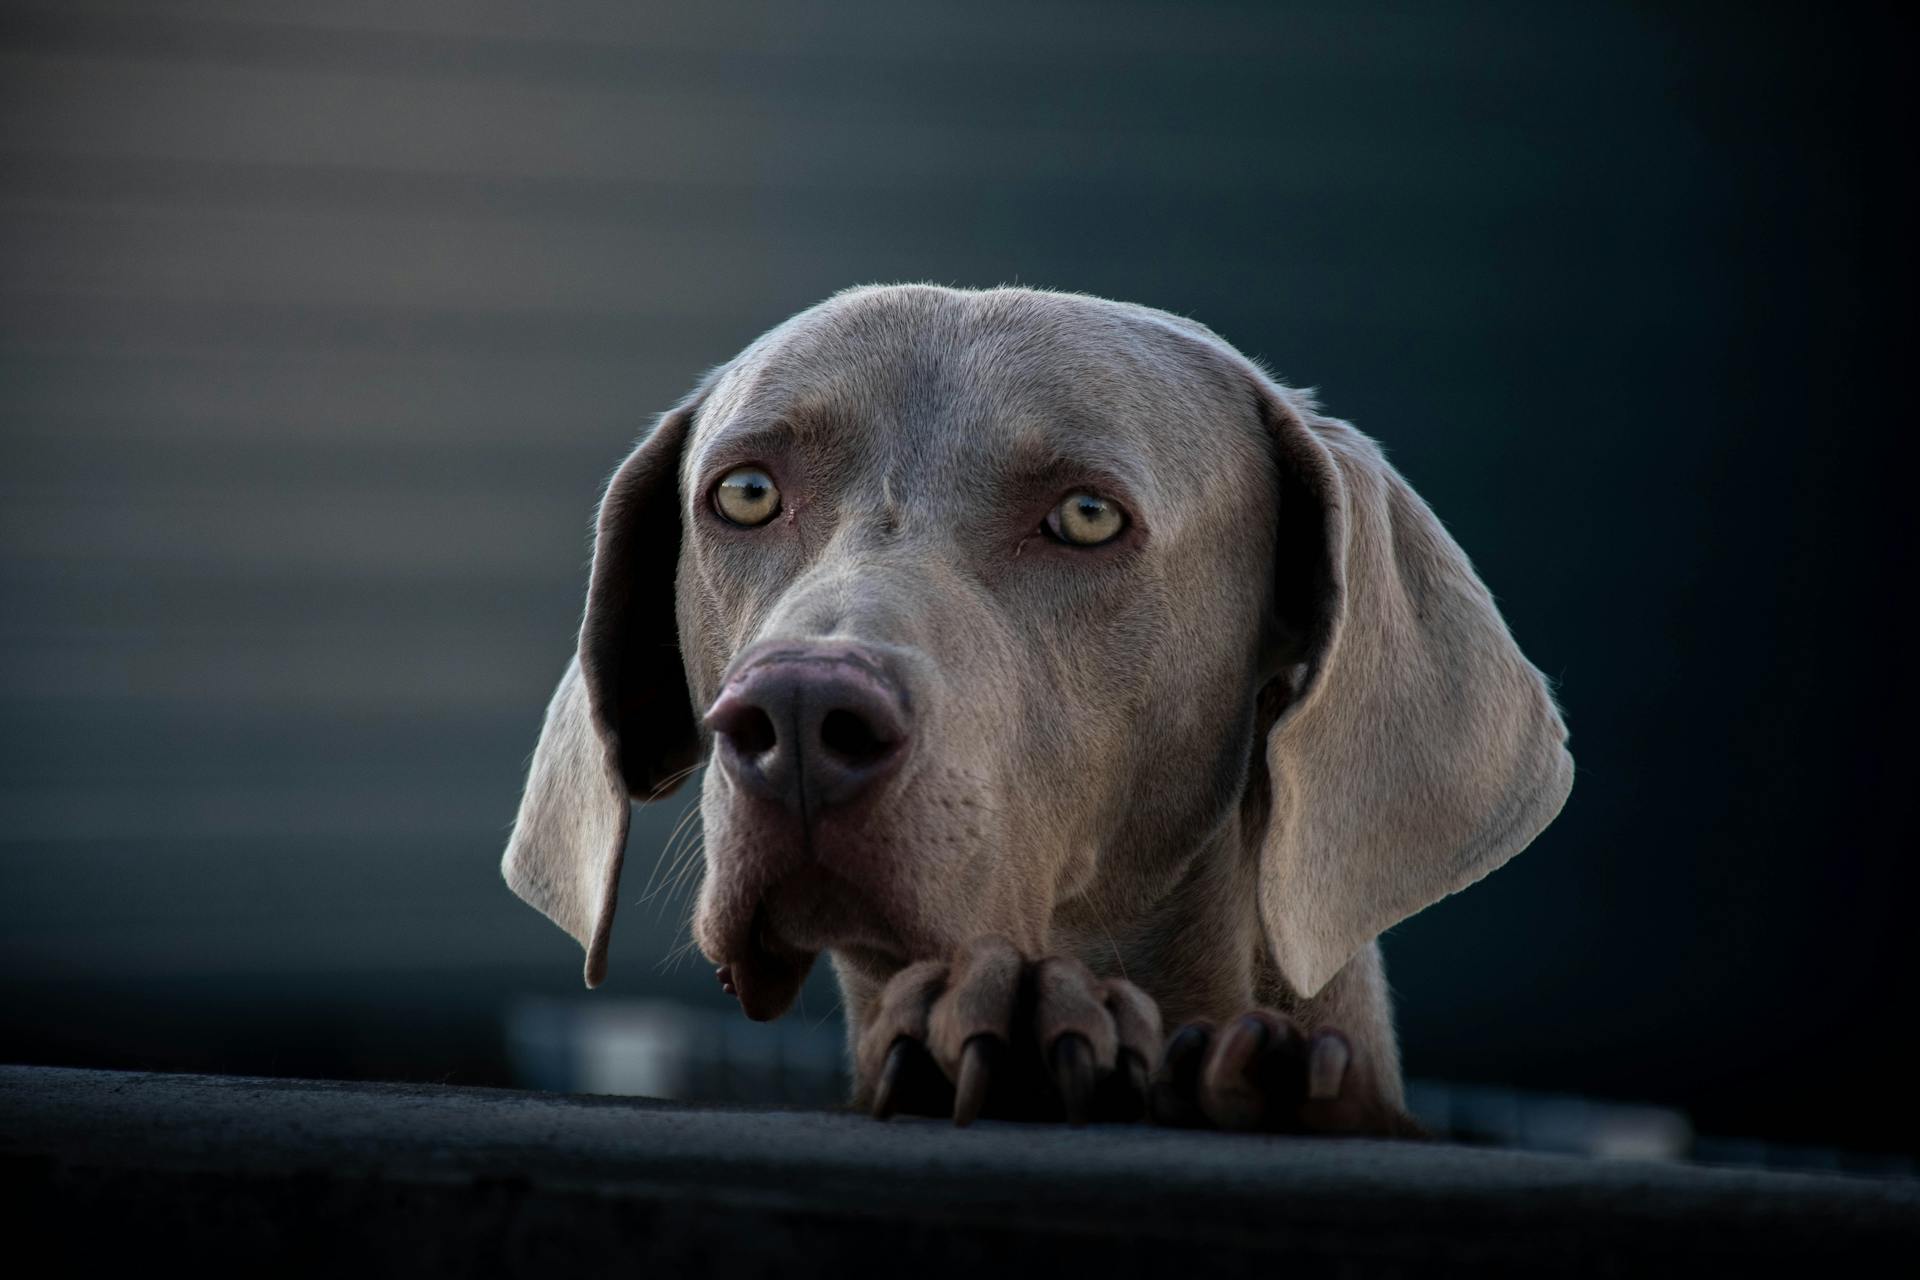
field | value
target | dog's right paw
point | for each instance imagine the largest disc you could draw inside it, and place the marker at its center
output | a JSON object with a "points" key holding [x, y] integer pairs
{"points": [[993, 1033], [1262, 1073]]}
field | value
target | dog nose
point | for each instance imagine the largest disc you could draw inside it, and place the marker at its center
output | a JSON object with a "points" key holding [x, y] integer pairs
{"points": [[810, 727]]}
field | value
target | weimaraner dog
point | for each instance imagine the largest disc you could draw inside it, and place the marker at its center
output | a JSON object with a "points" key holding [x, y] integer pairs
{"points": [[1062, 676]]}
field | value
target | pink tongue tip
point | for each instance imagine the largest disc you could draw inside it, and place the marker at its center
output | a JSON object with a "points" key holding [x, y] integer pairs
{"points": [[725, 974]]}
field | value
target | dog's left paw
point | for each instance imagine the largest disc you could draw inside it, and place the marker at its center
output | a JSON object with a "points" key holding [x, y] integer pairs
{"points": [[1262, 1073], [998, 1034]]}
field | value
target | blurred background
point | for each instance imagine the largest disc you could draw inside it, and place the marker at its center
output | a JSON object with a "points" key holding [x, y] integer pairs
{"points": [[321, 326]]}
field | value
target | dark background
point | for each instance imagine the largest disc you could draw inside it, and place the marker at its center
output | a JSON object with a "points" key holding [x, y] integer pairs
{"points": [[322, 324]]}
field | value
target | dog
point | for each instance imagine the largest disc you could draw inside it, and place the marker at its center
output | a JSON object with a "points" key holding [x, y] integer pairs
{"points": [[1064, 677]]}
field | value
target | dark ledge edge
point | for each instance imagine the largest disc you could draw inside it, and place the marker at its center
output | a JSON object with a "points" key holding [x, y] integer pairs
{"points": [[321, 1175]]}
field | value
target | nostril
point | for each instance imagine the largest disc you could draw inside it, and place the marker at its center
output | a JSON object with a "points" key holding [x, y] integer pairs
{"points": [[752, 732], [851, 737]]}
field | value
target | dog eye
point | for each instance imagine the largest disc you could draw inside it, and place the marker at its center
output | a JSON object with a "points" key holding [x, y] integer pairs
{"points": [[747, 496], [1086, 520]]}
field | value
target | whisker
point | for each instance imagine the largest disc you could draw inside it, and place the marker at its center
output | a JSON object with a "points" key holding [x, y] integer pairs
{"points": [[677, 862], [672, 959], [675, 876], [688, 874], [686, 816], [690, 859], [672, 889], [839, 1004], [671, 781]]}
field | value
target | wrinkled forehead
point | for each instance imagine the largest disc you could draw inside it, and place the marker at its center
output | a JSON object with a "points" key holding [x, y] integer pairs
{"points": [[933, 381]]}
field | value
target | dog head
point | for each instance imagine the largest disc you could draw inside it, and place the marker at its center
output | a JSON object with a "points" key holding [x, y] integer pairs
{"points": [[973, 598]]}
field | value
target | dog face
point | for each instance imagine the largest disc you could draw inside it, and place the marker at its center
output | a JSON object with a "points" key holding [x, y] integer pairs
{"points": [[982, 602], [988, 626]]}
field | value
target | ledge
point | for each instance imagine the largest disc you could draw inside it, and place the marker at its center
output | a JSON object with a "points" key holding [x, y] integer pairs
{"points": [[429, 1179]]}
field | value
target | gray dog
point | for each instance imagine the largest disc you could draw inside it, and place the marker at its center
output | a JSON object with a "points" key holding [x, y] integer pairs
{"points": [[1059, 672]]}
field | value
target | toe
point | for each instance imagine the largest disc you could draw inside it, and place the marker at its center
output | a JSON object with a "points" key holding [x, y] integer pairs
{"points": [[890, 1059], [1071, 1001], [1097, 1036], [979, 1000], [1254, 1071], [1136, 1024], [1341, 1096], [1136, 1020], [979, 1058], [971, 1022]]}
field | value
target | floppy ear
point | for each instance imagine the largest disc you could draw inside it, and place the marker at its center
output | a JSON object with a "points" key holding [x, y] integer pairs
{"points": [[621, 723], [1420, 750]]}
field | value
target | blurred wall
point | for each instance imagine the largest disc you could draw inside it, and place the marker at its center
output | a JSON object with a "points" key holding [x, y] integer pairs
{"points": [[321, 325]]}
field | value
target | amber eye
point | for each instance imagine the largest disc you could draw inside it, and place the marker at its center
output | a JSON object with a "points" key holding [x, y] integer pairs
{"points": [[1086, 520], [747, 496]]}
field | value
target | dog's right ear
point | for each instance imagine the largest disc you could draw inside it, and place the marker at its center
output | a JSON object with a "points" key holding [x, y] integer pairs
{"points": [[621, 723]]}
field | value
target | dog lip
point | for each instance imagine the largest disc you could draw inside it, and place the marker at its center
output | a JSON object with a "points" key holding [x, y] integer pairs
{"points": [[766, 973], [793, 919]]}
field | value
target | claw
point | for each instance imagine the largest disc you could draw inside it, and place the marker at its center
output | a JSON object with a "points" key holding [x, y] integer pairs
{"points": [[1073, 1074], [890, 1073], [976, 1073], [1235, 1084], [1327, 1065]]}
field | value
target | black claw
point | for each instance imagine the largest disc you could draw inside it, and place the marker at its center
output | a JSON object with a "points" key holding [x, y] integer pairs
{"points": [[1073, 1074], [1328, 1056], [891, 1072], [976, 1073]]}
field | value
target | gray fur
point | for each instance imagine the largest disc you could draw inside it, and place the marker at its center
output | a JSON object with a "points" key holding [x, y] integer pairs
{"points": [[1219, 757]]}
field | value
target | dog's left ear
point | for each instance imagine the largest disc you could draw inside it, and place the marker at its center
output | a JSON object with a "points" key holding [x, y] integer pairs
{"points": [[1419, 750], [621, 723]]}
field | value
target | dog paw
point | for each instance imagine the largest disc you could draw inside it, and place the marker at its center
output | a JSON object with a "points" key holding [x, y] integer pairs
{"points": [[1262, 1073], [993, 1033]]}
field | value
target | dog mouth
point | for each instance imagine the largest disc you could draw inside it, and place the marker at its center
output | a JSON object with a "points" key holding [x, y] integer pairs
{"points": [[765, 973], [772, 950]]}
